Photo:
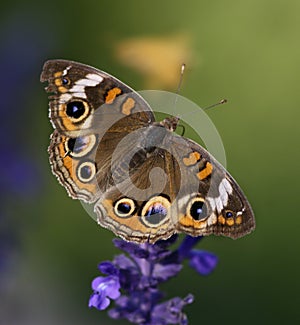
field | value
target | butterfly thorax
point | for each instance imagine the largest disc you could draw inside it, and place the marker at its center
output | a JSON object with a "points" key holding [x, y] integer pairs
{"points": [[155, 135]]}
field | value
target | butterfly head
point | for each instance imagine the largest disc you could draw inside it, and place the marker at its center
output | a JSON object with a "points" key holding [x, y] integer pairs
{"points": [[170, 123]]}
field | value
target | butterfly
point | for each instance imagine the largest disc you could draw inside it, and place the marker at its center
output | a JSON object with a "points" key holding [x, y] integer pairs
{"points": [[145, 182]]}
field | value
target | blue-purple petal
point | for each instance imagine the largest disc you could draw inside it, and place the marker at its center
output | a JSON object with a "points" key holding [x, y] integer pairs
{"points": [[186, 246], [107, 267], [129, 279], [104, 288], [131, 248], [170, 312], [203, 262], [123, 262], [99, 301], [164, 272]]}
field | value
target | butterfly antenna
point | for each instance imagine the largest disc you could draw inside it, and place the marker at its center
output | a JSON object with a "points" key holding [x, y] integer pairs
{"points": [[180, 78], [223, 101], [179, 83]]}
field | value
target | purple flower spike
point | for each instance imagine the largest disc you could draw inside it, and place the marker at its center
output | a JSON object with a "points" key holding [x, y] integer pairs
{"points": [[138, 275]]}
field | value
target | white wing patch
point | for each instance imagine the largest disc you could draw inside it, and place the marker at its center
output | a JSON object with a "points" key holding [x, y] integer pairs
{"points": [[95, 77], [91, 80], [212, 220], [65, 72], [222, 200], [64, 98]]}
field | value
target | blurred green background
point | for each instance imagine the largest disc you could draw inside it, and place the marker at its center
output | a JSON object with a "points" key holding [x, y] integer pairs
{"points": [[245, 51]]}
